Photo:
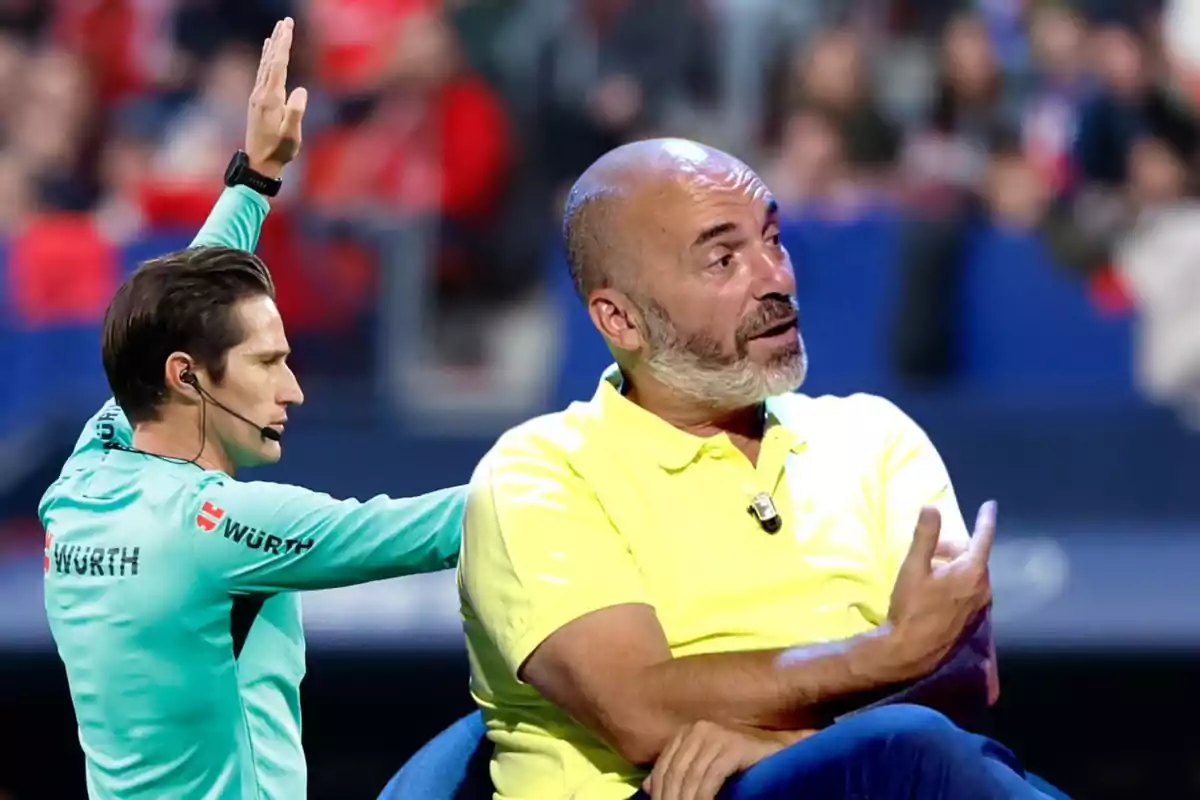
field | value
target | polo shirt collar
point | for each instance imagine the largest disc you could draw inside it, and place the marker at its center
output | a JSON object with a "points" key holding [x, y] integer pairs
{"points": [[673, 448]]}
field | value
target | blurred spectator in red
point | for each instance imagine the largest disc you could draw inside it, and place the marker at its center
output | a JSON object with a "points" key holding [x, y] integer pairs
{"points": [[436, 142], [355, 40], [124, 43], [62, 271], [419, 181]]}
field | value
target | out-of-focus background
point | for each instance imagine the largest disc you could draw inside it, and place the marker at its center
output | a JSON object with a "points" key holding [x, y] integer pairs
{"points": [[992, 211]]}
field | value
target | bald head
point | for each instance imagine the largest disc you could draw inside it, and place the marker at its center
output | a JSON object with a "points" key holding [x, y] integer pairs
{"points": [[675, 249], [613, 202]]}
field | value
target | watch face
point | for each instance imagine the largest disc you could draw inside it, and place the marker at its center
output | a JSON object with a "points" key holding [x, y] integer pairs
{"points": [[237, 165], [239, 174]]}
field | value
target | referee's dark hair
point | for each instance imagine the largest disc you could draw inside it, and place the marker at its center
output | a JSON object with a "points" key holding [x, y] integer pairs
{"points": [[183, 301]]}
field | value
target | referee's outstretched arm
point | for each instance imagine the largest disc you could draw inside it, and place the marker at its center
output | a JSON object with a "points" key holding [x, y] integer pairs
{"points": [[273, 537]]}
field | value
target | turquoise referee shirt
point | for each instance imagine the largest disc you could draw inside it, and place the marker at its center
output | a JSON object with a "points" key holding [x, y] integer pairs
{"points": [[170, 592]]}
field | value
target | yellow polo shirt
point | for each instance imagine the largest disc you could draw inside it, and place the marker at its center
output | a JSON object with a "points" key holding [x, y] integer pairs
{"points": [[605, 503]]}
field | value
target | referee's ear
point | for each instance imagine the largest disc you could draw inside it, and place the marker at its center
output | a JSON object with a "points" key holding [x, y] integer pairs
{"points": [[179, 372], [617, 319]]}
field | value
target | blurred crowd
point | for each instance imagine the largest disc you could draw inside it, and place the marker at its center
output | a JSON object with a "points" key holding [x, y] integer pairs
{"points": [[442, 133]]}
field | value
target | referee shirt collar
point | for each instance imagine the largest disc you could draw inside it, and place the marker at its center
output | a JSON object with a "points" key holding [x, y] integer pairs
{"points": [[674, 449]]}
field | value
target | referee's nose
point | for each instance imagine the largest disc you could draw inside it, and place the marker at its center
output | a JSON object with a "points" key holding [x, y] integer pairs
{"points": [[292, 394]]}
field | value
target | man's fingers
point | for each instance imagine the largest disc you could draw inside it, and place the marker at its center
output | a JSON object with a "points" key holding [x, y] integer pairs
{"points": [[985, 533], [692, 783], [658, 776], [925, 540], [718, 771], [949, 549], [676, 777], [653, 783]]}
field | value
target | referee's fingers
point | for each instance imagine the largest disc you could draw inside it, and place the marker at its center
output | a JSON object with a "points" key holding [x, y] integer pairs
{"points": [[293, 114], [263, 59], [281, 52]]}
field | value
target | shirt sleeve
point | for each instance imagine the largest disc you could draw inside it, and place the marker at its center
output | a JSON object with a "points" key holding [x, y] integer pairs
{"points": [[913, 476], [235, 221], [539, 550], [271, 537], [109, 424]]}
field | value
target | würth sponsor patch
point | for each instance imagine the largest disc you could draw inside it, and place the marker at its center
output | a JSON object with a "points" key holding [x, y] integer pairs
{"points": [[209, 517]]}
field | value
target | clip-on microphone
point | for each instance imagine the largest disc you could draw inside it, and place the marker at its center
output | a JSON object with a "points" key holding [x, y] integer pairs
{"points": [[763, 508]]}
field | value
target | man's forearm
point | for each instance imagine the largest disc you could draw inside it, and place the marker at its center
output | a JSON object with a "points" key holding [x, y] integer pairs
{"points": [[958, 687], [235, 221], [771, 689]]}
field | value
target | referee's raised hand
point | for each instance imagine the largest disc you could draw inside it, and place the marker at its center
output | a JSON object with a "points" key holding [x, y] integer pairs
{"points": [[273, 121]]}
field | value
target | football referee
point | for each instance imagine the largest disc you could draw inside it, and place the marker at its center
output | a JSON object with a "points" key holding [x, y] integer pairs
{"points": [[169, 584]]}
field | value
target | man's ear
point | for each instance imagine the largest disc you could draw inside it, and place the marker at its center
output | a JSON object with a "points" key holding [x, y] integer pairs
{"points": [[179, 372], [617, 318]]}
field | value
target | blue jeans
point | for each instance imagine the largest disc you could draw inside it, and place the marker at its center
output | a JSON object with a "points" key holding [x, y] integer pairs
{"points": [[899, 751]]}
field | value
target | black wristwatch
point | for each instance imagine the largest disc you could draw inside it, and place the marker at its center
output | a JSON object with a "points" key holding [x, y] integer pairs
{"points": [[239, 173]]}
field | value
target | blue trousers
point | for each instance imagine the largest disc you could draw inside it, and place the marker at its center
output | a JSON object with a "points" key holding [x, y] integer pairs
{"points": [[896, 752]]}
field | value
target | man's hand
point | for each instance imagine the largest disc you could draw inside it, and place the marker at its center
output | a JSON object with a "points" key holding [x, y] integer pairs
{"points": [[947, 551], [932, 604], [273, 120], [704, 755]]}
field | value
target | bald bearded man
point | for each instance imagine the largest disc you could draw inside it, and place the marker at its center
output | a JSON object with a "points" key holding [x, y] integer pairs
{"points": [[679, 587]]}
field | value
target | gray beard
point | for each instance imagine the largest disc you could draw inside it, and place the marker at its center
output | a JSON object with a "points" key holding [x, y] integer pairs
{"points": [[697, 367]]}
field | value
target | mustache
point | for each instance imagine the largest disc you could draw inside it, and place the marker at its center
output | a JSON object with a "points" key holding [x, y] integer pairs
{"points": [[774, 310]]}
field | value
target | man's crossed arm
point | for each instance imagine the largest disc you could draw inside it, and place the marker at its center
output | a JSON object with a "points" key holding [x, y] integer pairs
{"points": [[613, 671]]}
